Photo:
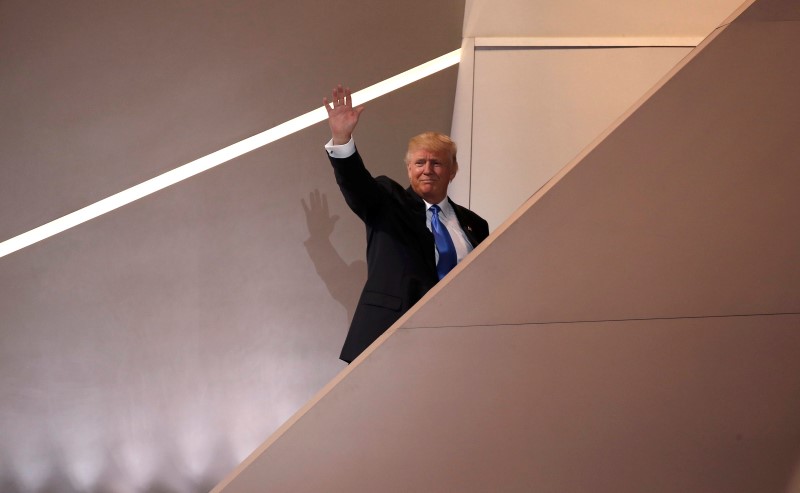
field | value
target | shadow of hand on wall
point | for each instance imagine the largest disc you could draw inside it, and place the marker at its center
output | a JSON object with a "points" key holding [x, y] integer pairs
{"points": [[343, 281]]}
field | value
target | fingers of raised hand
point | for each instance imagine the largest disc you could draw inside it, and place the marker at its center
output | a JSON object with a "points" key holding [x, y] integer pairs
{"points": [[340, 96], [348, 99], [336, 96]]}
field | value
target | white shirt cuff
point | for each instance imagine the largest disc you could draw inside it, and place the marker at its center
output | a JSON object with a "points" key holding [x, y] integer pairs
{"points": [[341, 151]]}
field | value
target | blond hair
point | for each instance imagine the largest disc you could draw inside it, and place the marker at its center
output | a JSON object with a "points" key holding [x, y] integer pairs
{"points": [[434, 142]]}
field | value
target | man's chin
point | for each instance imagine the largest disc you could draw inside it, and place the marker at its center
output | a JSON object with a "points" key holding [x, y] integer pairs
{"points": [[430, 194]]}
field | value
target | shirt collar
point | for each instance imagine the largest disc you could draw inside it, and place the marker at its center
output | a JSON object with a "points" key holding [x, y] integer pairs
{"points": [[444, 205]]}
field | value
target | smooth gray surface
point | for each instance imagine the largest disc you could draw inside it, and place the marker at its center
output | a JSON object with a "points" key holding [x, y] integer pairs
{"points": [[99, 96], [151, 349]]}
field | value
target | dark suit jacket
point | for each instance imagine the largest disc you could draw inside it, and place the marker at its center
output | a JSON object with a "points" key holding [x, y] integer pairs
{"points": [[401, 264]]}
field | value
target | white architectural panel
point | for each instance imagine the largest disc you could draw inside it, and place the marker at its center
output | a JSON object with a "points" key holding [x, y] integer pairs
{"points": [[536, 109], [592, 18]]}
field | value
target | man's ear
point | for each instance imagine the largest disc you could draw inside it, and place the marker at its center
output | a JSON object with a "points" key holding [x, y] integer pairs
{"points": [[455, 170]]}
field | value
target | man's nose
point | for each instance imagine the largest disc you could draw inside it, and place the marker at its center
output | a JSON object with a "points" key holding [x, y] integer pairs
{"points": [[427, 168]]}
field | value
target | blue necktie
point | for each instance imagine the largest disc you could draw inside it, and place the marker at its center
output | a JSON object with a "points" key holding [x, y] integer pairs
{"points": [[444, 244]]}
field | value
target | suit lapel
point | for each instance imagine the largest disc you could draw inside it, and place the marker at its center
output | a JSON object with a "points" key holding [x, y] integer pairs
{"points": [[466, 226]]}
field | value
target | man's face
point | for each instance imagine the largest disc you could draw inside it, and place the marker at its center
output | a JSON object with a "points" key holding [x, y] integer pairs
{"points": [[430, 173]]}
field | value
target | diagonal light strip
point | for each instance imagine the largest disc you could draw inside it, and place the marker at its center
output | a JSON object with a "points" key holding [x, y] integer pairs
{"points": [[221, 156]]}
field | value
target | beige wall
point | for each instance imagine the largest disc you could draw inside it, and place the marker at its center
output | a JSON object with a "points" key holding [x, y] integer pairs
{"points": [[153, 348]]}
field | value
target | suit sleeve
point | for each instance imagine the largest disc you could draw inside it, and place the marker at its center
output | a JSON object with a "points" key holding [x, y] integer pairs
{"points": [[363, 194]]}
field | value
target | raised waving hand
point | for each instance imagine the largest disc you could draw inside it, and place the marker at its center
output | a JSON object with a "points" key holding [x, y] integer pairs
{"points": [[342, 117]]}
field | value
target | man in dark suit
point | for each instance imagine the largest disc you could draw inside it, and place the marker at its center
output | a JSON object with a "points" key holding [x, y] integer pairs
{"points": [[415, 235]]}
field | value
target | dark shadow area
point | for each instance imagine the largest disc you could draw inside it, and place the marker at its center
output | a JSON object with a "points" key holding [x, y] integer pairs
{"points": [[343, 281]]}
